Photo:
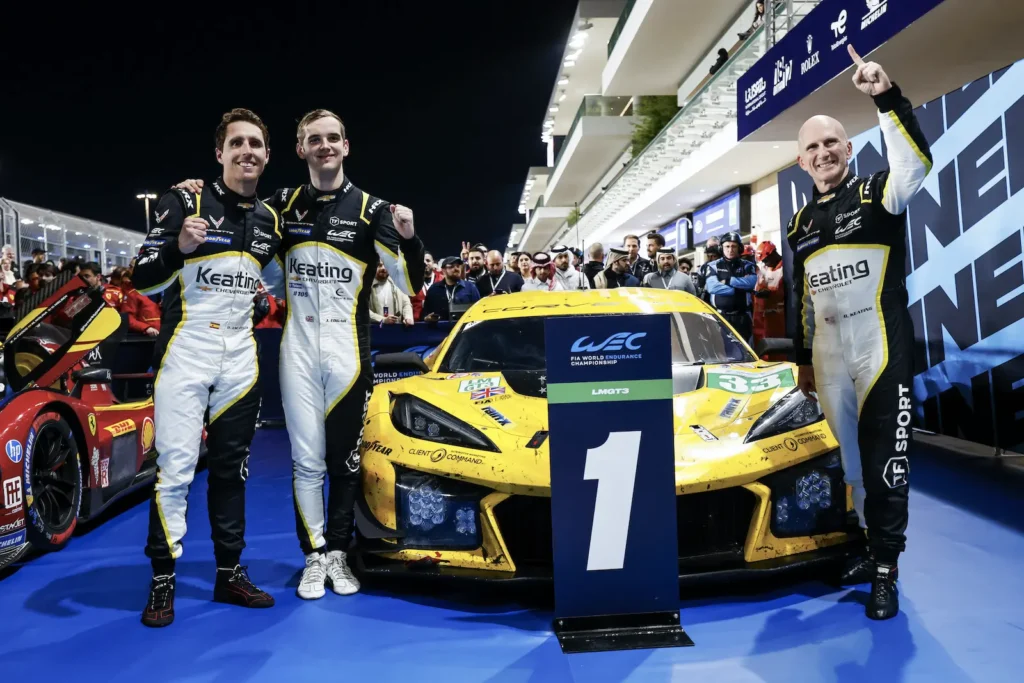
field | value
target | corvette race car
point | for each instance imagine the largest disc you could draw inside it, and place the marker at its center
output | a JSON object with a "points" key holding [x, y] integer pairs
{"points": [[70, 447], [455, 461]]}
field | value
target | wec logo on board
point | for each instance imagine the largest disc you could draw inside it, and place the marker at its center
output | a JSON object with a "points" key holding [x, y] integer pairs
{"points": [[616, 342]]}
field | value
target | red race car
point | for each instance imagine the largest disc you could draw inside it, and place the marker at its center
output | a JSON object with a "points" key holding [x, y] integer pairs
{"points": [[70, 447]]}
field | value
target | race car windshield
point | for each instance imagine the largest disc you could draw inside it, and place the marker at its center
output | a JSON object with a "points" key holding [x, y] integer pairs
{"points": [[518, 344]]}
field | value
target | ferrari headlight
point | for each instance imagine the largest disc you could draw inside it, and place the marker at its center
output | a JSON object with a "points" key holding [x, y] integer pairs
{"points": [[809, 498], [794, 411], [434, 512], [416, 418]]}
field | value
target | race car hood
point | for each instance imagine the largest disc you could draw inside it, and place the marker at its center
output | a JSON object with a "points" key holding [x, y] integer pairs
{"points": [[715, 408], [721, 400]]}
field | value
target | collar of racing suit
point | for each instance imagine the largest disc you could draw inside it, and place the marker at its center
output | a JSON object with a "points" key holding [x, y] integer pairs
{"points": [[229, 197], [825, 197], [328, 196]]}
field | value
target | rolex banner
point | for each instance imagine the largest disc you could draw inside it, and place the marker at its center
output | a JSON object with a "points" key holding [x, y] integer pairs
{"points": [[965, 258]]}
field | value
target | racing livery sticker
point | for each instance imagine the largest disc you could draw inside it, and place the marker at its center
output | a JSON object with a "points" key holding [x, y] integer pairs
{"points": [[470, 385], [14, 451], [92, 424], [105, 473], [122, 427], [496, 416], [703, 433], [12, 541], [148, 434], [749, 383], [489, 392], [12, 492], [730, 408]]}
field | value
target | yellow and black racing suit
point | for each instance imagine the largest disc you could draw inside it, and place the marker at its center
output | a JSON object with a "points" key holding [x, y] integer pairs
{"points": [[849, 250], [206, 358], [332, 243]]}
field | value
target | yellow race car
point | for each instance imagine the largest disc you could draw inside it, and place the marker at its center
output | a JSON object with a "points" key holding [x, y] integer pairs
{"points": [[455, 469]]}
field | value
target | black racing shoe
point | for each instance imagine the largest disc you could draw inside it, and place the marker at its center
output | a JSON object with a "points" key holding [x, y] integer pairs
{"points": [[859, 568], [160, 608], [234, 588], [885, 600]]}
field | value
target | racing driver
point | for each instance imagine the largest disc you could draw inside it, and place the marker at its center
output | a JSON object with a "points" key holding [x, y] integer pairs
{"points": [[207, 253], [854, 338], [334, 234]]}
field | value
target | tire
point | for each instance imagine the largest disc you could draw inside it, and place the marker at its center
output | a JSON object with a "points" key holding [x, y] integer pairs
{"points": [[52, 481]]}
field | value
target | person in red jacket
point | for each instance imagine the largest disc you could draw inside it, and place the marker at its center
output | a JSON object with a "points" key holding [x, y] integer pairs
{"points": [[143, 313], [430, 276], [769, 296]]}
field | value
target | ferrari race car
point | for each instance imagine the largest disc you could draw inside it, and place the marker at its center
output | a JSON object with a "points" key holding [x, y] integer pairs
{"points": [[455, 461], [70, 447]]}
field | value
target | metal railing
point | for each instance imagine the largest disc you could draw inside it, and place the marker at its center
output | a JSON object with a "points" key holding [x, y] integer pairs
{"points": [[709, 111], [782, 17], [594, 105], [617, 31]]}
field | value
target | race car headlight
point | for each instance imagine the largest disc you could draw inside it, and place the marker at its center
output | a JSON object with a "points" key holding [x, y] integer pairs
{"points": [[418, 419], [794, 411], [809, 498], [435, 512]]}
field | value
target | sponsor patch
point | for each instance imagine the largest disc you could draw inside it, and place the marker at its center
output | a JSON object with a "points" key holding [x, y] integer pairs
{"points": [[12, 540], [105, 473], [95, 465], [496, 416], [217, 239], [703, 433], [473, 385], [92, 424], [300, 231], [122, 427], [14, 451], [12, 492], [148, 434], [730, 408], [439, 454], [461, 375]]}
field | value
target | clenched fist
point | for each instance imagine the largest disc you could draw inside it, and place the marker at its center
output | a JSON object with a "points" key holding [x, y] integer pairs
{"points": [[193, 233], [402, 218]]}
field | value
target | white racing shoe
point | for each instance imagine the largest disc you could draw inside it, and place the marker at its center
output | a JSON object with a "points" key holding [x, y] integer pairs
{"points": [[343, 581], [311, 587]]}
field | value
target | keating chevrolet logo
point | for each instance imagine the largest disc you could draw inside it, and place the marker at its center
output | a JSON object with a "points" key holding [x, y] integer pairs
{"points": [[239, 280], [841, 273], [319, 270]]}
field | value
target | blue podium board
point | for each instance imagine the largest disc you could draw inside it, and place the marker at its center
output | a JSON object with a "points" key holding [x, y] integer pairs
{"points": [[613, 502]]}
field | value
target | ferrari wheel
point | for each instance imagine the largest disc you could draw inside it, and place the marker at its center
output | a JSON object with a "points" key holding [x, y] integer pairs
{"points": [[53, 482]]}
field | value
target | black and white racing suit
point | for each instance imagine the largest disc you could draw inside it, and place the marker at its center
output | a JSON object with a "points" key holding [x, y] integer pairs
{"points": [[332, 241], [849, 276], [206, 358]]}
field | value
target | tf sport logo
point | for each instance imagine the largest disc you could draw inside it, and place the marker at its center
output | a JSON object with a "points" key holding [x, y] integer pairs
{"points": [[586, 351]]}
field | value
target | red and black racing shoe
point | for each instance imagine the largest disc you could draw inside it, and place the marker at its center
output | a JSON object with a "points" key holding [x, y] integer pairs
{"points": [[160, 608], [234, 588]]}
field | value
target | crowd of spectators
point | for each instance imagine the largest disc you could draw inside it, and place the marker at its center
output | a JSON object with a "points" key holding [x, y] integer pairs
{"points": [[456, 282]]}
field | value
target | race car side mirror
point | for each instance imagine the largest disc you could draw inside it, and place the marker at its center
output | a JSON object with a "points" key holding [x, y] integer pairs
{"points": [[399, 362], [774, 345]]}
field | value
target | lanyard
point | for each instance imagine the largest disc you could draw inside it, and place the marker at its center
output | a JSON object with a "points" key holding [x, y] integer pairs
{"points": [[451, 294], [494, 285], [666, 284]]}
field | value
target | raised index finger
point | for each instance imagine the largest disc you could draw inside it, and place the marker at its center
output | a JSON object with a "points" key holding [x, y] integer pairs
{"points": [[853, 55]]}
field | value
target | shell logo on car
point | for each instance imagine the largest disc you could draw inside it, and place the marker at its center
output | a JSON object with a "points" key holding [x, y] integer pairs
{"points": [[148, 434]]}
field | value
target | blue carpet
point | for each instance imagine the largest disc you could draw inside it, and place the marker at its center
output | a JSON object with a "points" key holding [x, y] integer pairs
{"points": [[74, 615]]}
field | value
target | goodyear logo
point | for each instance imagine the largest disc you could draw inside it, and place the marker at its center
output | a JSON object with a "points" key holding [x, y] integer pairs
{"points": [[122, 427]]}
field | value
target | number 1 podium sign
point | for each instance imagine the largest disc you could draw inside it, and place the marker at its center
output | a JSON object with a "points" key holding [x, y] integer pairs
{"points": [[613, 503]]}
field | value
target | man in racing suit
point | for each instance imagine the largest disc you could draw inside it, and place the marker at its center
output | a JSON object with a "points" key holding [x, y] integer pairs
{"points": [[854, 338], [207, 253]]}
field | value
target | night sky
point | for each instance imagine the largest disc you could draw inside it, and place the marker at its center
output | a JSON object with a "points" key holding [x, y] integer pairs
{"points": [[443, 107]]}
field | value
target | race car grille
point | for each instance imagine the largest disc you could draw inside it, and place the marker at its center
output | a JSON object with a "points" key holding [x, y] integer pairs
{"points": [[524, 522], [711, 528]]}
